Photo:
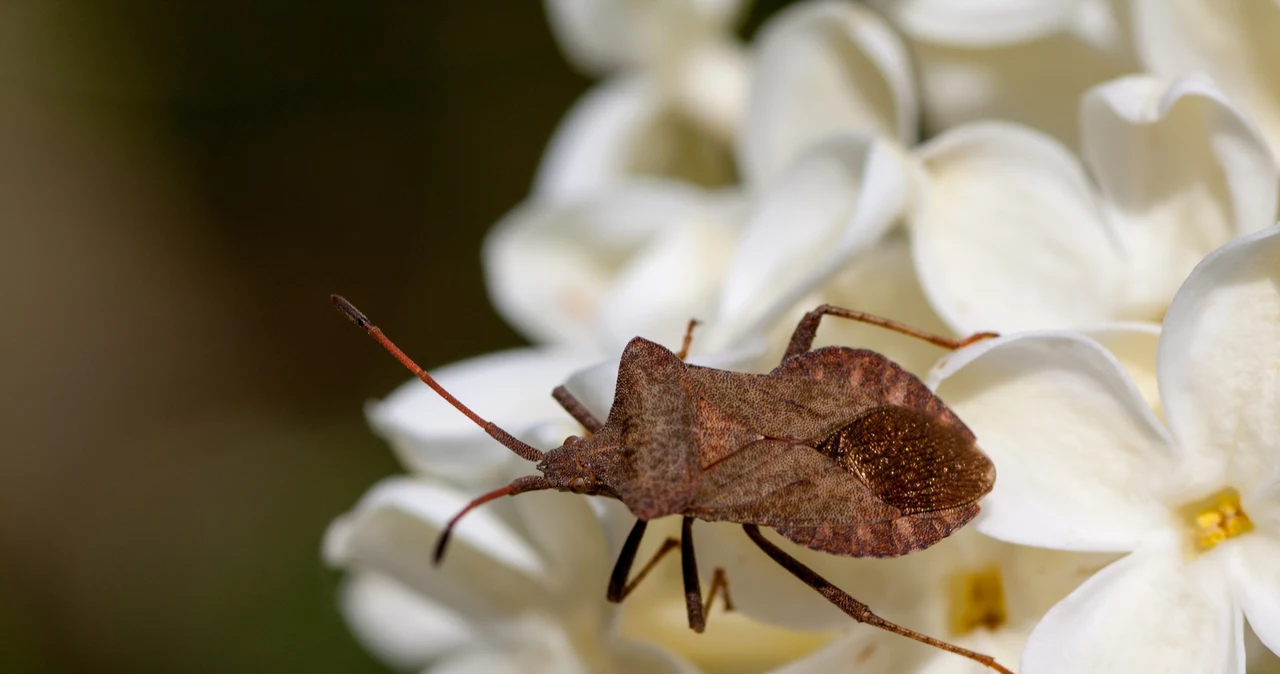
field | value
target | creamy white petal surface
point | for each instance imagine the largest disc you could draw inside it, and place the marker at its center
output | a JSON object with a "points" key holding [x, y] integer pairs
{"points": [[1148, 612], [398, 625], [834, 203], [603, 35], [1037, 82], [1080, 456], [979, 22], [510, 388], [822, 68], [1181, 172], [1134, 345], [628, 126], [880, 281], [639, 260], [1008, 235], [1233, 42], [1257, 578], [1219, 362], [489, 572]]}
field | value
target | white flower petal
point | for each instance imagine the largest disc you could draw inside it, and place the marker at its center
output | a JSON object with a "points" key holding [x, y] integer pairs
{"points": [[880, 281], [510, 388], [835, 202], [984, 23], [489, 570], [641, 658], [529, 645], [1009, 235], [823, 68], [765, 591], [1233, 42], [711, 84], [1257, 584], [1037, 84], [1148, 612], [1181, 172], [1080, 457], [571, 539], [864, 649], [626, 127], [399, 626], [1258, 658], [595, 386], [1135, 346], [1219, 361], [603, 35], [552, 268]]}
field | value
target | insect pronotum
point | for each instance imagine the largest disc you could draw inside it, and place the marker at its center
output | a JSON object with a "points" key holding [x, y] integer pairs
{"points": [[837, 449]]}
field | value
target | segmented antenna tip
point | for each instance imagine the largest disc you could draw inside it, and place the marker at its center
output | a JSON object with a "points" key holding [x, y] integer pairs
{"points": [[350, 310]]}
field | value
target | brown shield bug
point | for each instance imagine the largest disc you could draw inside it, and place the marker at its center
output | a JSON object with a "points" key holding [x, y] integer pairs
{"points": [[837, 449]]}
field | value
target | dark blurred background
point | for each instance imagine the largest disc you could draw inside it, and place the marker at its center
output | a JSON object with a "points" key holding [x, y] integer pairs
{"points": [[182, 184]]}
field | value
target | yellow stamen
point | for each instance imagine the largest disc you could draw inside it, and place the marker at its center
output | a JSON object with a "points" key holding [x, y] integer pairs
{"points": [[976, 600], [1216, 518]]}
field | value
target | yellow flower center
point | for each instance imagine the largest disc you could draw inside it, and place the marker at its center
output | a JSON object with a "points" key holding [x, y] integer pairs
{"points": [[976, 600], [1216, 518]]}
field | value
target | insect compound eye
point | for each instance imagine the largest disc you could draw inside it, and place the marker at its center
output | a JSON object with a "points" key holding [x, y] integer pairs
{"points": [[572, 439]]}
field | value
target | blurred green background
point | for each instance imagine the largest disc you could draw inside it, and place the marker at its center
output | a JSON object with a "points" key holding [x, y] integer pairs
{"points": [[182, 184]]}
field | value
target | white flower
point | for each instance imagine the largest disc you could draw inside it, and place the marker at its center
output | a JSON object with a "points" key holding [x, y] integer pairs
{"points": [[511, 388], [641, 259], [975, 592], [1233, 42], [1011, 233], [1022, 61], [671, 106], [822, 69], [509, 595], [1085, 465]]}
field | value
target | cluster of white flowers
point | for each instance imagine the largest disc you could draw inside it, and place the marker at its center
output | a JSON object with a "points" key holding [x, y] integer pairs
{"points": [[1119, 231]]}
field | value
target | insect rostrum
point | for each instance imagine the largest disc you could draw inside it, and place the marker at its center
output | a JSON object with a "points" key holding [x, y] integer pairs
{"points": [[837, 449]]}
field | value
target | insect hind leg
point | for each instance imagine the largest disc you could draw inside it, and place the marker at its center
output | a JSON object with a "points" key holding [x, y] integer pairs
{"points": [[683, 353], [807, 329], [854, 608]]}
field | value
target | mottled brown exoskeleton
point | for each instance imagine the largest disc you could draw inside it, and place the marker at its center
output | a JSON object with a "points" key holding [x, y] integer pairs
{"points": [[838, 449]]}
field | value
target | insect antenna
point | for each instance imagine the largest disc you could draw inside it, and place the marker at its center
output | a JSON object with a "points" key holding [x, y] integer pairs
{"points": [[517, 486], [509, 441]]}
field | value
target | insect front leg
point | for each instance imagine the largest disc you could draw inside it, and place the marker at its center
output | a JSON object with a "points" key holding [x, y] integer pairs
{"points": [[807, 329], [854, 608], [683, 353], [576, 409], [619, 588]]}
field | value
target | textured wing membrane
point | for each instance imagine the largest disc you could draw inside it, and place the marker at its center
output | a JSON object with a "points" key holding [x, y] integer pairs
{"points": [[811, 500], [887, 538], [839, 450], [815, 393], [874, 378], [911, 461], [772, 482]]}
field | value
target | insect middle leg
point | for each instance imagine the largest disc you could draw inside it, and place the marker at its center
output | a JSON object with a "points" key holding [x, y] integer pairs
{"points": [[619, 588], [697, 610], [854, 608], [807, 329]]}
